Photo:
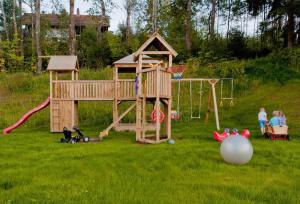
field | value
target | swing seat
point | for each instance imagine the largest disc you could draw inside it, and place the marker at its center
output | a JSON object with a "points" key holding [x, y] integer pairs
{"points": [[277, 132]]}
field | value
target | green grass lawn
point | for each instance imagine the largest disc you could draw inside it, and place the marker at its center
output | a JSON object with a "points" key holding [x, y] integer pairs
{"points": [[36, 168]]}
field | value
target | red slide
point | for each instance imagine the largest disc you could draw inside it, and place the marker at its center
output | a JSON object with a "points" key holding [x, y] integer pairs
{"points": [[25, 117]]}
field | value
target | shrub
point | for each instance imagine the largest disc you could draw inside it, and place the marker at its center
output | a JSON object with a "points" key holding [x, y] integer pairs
{"points": [[270, 69]]}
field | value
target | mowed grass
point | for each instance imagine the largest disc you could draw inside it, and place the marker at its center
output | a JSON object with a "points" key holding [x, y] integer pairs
{"points": [[36, 168]]}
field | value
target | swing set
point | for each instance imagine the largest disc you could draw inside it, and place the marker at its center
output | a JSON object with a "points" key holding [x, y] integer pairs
{"points": [[199, 86]]}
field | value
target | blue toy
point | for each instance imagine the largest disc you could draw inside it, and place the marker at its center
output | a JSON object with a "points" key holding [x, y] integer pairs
{"points": [[171, 141]]}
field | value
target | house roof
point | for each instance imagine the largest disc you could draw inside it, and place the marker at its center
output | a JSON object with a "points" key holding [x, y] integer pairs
{"points": [[80, 20], [130, 59], [63, 63], [159, 43]]}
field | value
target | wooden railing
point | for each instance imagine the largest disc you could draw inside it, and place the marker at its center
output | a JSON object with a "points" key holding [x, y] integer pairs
{"points": [[105, 89], [164, 84], [83, 90], [126, 89]]}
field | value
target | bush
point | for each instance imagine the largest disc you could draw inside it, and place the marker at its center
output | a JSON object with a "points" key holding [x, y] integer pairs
{"points": [[294, 59], [278, 66], [10, 59]]}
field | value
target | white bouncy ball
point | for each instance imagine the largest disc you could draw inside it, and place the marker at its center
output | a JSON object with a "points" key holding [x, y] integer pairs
{"points": [[236, 150]]}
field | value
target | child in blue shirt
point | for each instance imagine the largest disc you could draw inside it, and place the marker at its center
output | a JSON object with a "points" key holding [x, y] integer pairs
{"points": [[275, 120]]}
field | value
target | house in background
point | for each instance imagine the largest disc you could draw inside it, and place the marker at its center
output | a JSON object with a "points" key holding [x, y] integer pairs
{"points": [[59, 23]]}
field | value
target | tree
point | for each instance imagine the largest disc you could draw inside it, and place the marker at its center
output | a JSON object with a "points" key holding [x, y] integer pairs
{"points": [[291, 22], [212, 20], [31, 5], [228, 19], [20, 26], [278, 10], [4, 20], [154, 15], [15, 26], [188, 25], [100, 7], [14, 18], [236, 44], [72, 37], [298, 35], [32, 9], [129, 6], [37, 34]]}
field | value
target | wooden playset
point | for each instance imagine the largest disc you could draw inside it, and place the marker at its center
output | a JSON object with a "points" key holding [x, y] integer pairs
{"points": [[150, 91]]}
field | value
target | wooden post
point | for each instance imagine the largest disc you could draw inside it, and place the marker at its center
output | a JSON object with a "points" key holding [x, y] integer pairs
{"points": [[51, 95], [169, 122], [72, 98], [138, 98], [76, 75], [157, 104], [144, 117], [51, 87], [115, 102], [215, 103]]}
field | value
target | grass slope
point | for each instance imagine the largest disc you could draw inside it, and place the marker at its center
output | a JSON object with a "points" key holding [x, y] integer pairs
{"points": [[35, 168]]}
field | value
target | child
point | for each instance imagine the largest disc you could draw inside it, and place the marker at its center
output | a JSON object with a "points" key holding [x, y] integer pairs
{"points": [[275, 120], [282, 118], [262, 119]]}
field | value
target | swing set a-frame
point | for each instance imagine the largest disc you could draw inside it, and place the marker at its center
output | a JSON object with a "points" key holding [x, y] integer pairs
{"points": [[212, 97]]}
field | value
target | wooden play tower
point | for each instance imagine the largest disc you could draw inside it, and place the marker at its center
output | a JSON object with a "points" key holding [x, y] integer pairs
{"points": [[149, 90]]}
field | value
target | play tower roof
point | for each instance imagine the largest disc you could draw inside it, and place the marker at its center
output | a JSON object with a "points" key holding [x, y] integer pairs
{"points": [[158, 42], [63, 63], [154, 45]]}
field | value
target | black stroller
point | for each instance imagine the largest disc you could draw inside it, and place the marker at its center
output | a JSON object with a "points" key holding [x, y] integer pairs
{"points": [[68, 138]]}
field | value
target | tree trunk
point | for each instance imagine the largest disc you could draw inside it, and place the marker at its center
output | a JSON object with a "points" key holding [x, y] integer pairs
{"points": [[103, 13], [154, 15], [228, 20], [188, 22], [103, 9], [298, 33], [20, 27], [4, 20], [37, 34], [14, 18], [72, 39], [291, 24], [128, 12], [212, 20], [32, 27]]}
